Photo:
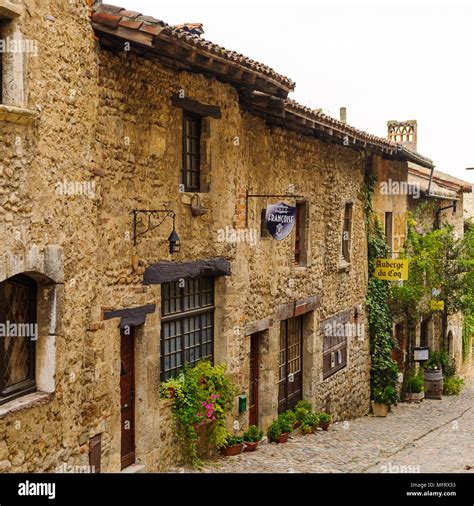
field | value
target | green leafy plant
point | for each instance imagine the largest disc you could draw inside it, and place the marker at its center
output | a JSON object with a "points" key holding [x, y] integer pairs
{"points": [[415, 383], [302, 409], [311, 419], [384, 370], [253, 434], [286, 421], [202, 396], [324, 417], [231, 440], [274, 431], [452, 385], [387, 395], [441, 360]]}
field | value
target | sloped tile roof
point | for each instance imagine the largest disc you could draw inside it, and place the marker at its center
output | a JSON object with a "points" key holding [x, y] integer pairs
{"points": [[115, 17]]}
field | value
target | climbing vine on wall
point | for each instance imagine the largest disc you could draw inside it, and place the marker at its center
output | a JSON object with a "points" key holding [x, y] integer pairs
{"points": [[384, 370]]}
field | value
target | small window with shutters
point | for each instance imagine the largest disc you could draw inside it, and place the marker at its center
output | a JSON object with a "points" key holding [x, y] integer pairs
{"points": [[191, 165]]}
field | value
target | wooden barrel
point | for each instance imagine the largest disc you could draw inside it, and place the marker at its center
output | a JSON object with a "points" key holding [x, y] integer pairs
{"points": [[433, 383]]}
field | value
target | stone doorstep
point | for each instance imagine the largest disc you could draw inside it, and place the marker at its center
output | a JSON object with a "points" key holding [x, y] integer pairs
{"points": [[134, 469]]}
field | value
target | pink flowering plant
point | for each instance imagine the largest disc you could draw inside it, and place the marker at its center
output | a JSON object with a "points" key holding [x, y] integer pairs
{"points": [[202, 396]]}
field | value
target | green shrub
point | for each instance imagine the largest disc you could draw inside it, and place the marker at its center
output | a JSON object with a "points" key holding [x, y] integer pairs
{"points": [[441, 360], [202, 396], [303, 405], [274, 431], [231, 440], [286, 421], [452, 385], [311, 419], [415, 383], [253, 434], [324, 417], [387, 395]]}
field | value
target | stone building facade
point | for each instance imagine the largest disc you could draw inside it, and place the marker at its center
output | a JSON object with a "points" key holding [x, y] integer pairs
{"points": [[434, 198], [120, 123]]}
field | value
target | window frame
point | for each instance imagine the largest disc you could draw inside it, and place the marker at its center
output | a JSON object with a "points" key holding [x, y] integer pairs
{"points": [[185, 170], [346, 244], [28, 385], [179, 317]]}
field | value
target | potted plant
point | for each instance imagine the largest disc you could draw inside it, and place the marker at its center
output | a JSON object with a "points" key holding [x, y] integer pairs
{"points": [[382, 399], [252, 437], [233, 445], [287, 421], [292, 419], [301, 411], [415, 387], [324, 420], [279, 430], [274, 432], [310, 423]]}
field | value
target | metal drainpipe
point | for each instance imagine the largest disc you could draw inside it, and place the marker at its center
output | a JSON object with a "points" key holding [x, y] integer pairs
{"points": [[431, 179]]}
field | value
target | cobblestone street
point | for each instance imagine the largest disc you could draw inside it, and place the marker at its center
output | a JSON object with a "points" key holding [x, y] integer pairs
{"points": [[433, 436]]}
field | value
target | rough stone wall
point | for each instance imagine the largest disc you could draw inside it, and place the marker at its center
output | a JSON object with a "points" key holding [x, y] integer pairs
{"points": [[391, 196], [120, 131], [42, 431]]}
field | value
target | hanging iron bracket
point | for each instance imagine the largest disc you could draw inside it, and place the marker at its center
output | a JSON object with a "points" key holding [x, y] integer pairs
{"points": [[143, 221], [253, 195]]}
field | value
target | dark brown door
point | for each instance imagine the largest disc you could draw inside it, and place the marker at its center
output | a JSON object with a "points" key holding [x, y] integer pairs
{"points": [[290, 384], [253, 386], [127, 394]]}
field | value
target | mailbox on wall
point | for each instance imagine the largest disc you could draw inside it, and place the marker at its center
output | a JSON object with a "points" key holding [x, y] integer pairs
{"points": [[242, 403]]}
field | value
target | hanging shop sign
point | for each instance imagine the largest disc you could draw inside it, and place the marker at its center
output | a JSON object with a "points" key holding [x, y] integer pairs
{"points": [[280, 220], [391, 270], [437, 305], [421, 354]]}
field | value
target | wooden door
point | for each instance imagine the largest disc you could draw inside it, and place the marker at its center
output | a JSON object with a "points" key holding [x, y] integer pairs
{"points": [[290, 386], [253, 380], [127, 395]]}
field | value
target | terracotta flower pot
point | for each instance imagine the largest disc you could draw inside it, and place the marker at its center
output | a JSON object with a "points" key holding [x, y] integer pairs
{"points": [[232, 450], [324, 425], [283, 438], [172, 392], [250, 446], [296, 424]]}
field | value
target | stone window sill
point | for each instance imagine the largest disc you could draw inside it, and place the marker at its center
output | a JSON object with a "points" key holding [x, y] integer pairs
{"points": [[26, 402], [10, 10], [344, 266], [17, 115]]}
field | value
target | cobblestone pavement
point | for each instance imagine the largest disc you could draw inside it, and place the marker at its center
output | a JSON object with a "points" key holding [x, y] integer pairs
{"points": [[433, 436]]}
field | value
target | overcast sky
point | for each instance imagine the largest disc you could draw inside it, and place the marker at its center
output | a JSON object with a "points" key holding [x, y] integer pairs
{"points": [[382, 60]]}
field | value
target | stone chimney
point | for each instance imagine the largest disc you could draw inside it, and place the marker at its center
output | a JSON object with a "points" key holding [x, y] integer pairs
{"points": [[403, 132], [343, 114]]}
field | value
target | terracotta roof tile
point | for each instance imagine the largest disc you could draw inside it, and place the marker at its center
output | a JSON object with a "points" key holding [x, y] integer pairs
{"points": [[111, 15], [106, 18], [130, 23]]}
